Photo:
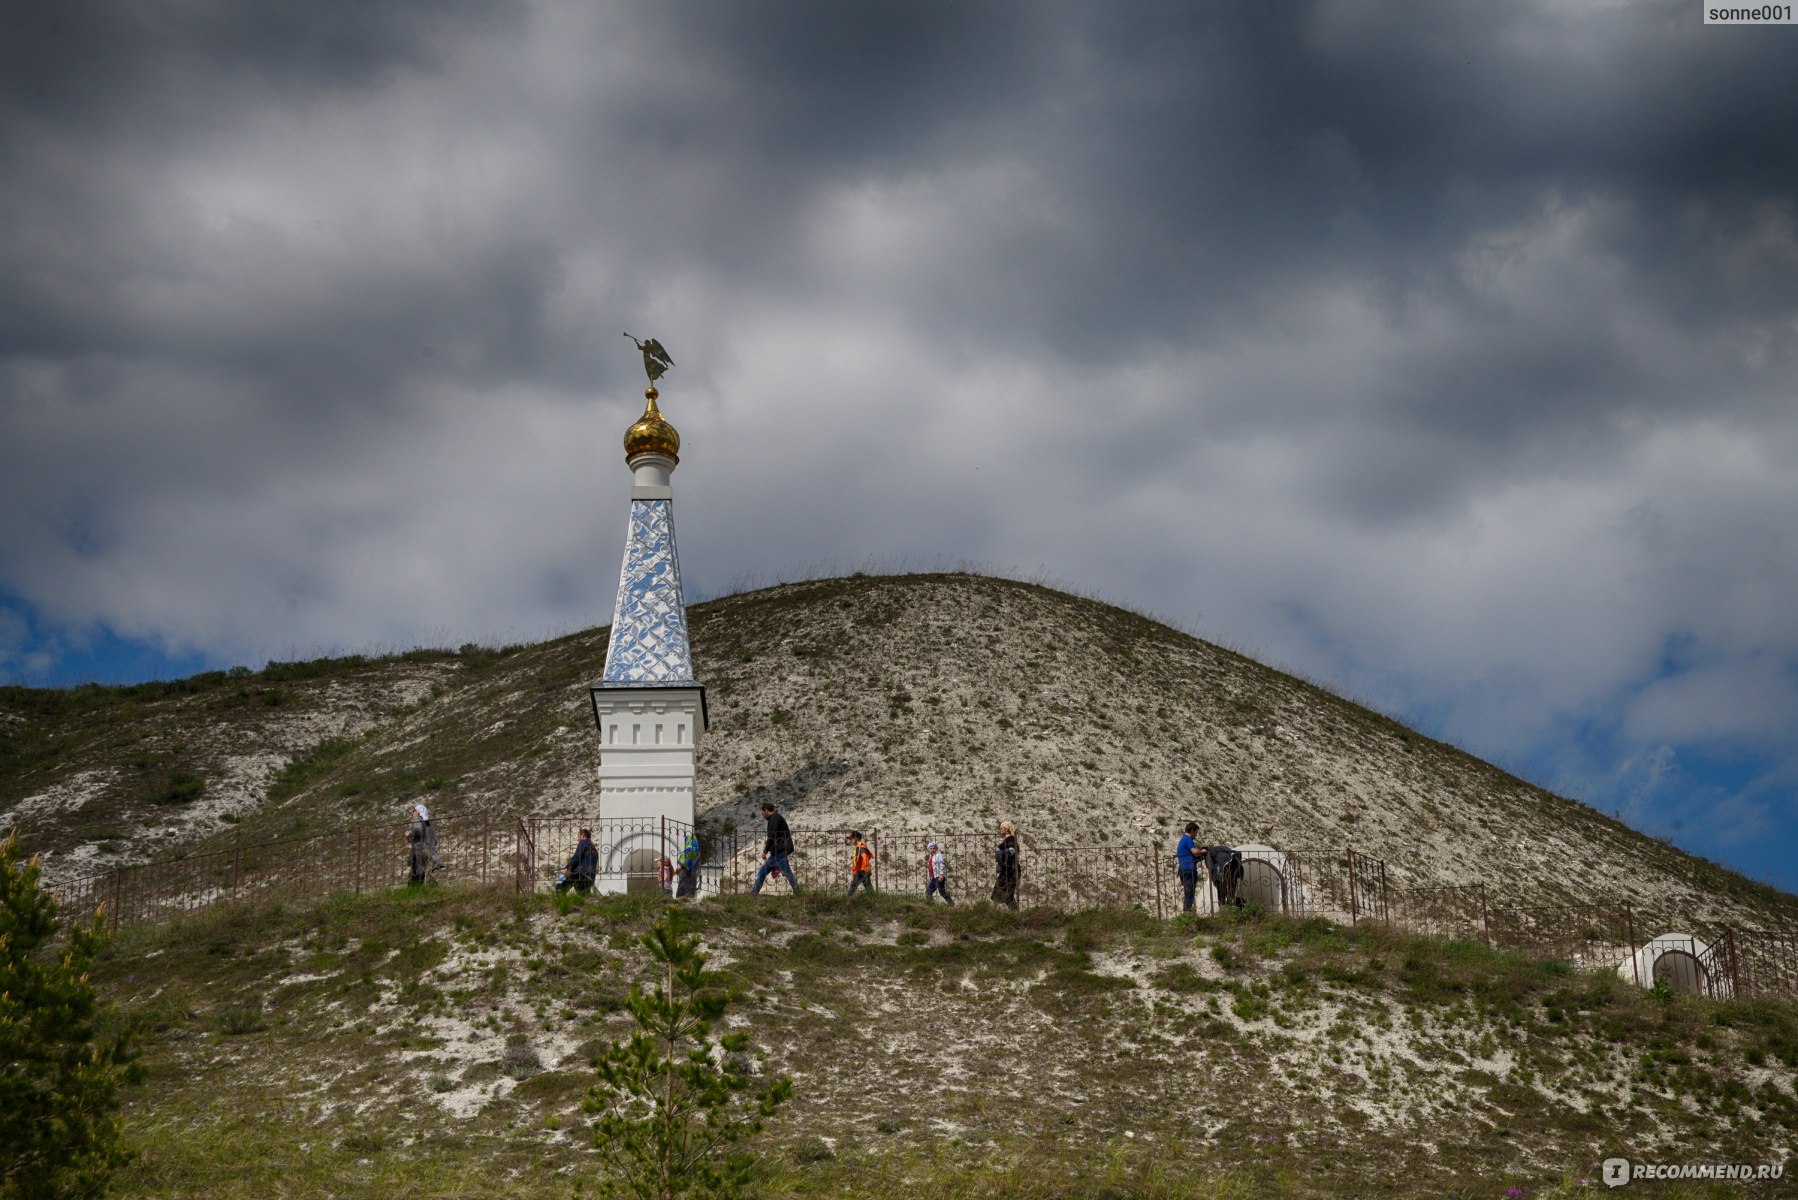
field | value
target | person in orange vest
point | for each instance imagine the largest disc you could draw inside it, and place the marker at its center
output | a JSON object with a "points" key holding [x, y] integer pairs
{"points": [[861, 863]]}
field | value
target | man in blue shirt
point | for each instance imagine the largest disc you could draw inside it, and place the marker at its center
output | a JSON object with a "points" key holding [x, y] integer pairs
{"points": [[1186, 857]]}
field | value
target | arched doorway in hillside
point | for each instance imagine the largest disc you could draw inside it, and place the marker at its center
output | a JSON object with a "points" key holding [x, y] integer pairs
{"points": [[1681, 971], [1263, 884]]}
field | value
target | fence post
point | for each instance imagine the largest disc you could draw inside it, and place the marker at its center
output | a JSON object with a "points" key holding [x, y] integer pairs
{"points": [[1735, 978], [118, 892], [236, 851], [875, 835], [1635, 955], [486, 824], [1155, 870], [1354, 907], [1485, 920]]}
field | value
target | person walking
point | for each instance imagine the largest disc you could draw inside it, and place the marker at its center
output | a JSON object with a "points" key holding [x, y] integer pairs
{"points": [[421, 841], [1225, 866], [583, 866], [1005, 866], [861, 863], [1186, 858], [776, 851], [936, 874], [688, 865]]}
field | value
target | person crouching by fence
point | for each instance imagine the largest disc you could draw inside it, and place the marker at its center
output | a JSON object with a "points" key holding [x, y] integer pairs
{"points": [[583, 866], [421, 841], [936, 874], [861, 863], [1186, 858], [1005, 866], [1225, 865], [775, 851]]}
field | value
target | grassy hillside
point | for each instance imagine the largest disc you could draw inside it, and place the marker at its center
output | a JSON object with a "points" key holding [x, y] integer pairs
{"points": [[436, 1044], [928, 702]]}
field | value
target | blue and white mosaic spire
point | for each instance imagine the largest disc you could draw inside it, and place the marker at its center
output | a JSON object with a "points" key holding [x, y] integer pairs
{"points": [[649, 622]]}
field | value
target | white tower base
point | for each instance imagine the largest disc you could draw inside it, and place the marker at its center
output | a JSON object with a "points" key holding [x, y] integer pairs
{"points": [[648, 742]]}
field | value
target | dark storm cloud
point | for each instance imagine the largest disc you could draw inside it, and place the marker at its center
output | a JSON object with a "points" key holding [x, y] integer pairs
{"points": [[1443, 351]]}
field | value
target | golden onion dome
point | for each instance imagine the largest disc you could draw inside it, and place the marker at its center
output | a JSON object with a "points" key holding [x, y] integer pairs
{"points": [[651, 434]]}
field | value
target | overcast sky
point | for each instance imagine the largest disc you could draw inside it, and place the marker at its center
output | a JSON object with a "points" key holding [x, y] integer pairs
{"points": [[1443, 353]]}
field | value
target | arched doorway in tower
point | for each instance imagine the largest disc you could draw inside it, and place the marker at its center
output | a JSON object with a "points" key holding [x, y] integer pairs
{"points": [[642, 873]]}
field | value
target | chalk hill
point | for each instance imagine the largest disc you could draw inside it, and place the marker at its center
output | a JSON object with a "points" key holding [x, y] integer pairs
{"points": [[924, 702]]}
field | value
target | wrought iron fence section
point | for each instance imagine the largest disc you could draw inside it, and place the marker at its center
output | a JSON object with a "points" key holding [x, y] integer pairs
{"points": [[1766, 962], [639, 854], [365, 859], [1342, 885]]}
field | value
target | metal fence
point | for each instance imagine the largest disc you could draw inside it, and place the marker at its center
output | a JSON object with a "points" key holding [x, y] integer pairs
{"points": [[633, 855], [1766, 962], [1342, 885], [470, 847]]}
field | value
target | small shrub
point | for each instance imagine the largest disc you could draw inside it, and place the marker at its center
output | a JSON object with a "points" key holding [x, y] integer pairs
{"points": [[1250, 1007], [520, 1061], [811, 1149], [239, 1021], [1182, 978]]}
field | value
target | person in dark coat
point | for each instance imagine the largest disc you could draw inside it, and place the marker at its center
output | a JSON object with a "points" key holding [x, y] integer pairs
{"points": [[688, 865], [583, 866], [1006, 866], [1225, 866], [775, 851], [421, 844]]}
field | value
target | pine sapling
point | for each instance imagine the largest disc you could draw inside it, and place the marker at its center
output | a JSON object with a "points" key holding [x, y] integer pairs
{"points": [[677, 1105]]}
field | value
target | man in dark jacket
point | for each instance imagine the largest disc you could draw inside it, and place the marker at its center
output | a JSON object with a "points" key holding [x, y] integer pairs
{"points": [[1225, 866], [583, 866], [775, 850]]}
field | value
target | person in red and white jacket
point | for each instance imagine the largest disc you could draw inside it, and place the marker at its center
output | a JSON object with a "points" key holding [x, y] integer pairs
{"points": [[936, 874]]}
